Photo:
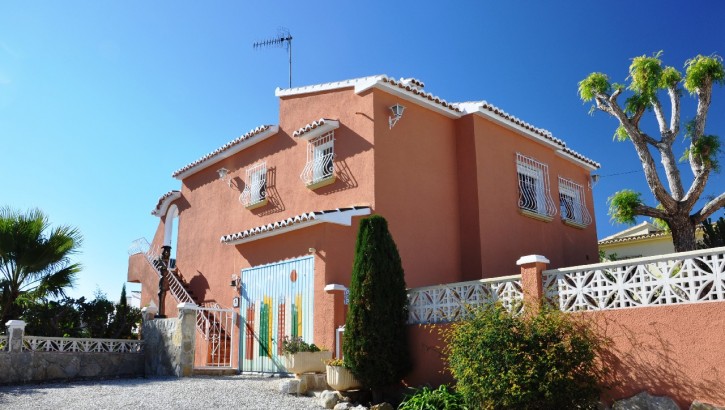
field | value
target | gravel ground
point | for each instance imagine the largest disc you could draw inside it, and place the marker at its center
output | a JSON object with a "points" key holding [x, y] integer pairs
{"points": [[202, 392]]}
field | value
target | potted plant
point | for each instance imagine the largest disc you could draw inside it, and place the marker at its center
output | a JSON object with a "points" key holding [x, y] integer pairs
{"points": [[339, 376], [302, 357]]}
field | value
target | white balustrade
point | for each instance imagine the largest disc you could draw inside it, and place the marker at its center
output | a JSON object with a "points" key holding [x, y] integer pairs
{"points": [[453, 301], [66, 344], [687, 277]]}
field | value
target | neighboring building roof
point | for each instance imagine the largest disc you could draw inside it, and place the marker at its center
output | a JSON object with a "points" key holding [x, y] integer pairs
{"points": [[163, 205], [635, 238], [412, 90], [252, 137], [340, 216], [640, 231]]}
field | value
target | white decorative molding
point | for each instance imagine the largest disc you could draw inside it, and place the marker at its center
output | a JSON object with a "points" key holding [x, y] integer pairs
{"points": [[453, 301], [69, 345], [687, 277]]}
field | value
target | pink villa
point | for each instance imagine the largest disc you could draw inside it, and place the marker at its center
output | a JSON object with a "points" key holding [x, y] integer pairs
{"points": [[266, 224]]}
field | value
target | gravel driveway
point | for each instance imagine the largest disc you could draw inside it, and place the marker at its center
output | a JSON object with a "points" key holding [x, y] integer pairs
{"points": [[202, 392]]}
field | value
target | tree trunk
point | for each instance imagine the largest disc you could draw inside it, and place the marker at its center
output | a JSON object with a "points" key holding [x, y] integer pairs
{"points": [[683, 233]]}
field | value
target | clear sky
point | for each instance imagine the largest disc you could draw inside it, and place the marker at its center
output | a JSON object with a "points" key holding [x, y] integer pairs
{"points": [[101, 101]]}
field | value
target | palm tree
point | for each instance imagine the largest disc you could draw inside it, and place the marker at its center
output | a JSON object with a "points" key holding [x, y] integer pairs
{"points": [[33, 266]]}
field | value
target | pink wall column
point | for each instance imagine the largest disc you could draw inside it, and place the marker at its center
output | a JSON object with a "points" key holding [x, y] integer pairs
{"points": [[532, 267]]}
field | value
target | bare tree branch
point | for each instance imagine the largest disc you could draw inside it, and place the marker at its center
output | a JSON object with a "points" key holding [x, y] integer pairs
{"points": [[660, 115], [696, 189], [709, 209], [671, 171], [704, 95], [649, 211], [675, 114]]}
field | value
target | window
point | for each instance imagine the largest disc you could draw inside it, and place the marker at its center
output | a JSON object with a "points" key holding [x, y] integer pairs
{"points": [[571, 202], [255, 191], [319, 169], [534, 193]]}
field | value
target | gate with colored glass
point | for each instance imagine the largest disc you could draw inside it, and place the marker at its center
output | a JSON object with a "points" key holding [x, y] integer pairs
{"points": [[276, 302]]}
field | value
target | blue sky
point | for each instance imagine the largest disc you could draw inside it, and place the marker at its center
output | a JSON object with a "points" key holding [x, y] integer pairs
{"points": [[101, 101]]}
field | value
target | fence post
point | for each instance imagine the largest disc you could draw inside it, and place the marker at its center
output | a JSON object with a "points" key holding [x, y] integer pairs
{"points": [[187, 326], [16, 331], [532, 267]]}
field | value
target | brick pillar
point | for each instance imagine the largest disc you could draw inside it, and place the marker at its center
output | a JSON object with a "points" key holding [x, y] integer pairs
{"points": [[16, 331], [532, 267], [187, 331]]}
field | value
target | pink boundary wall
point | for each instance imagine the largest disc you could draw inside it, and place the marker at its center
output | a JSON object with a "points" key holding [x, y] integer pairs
{"points": [[674, 350]]}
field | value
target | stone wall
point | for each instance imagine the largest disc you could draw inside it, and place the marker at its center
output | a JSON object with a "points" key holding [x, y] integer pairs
{"points": [[169, 344], [19, 365], [27, 367]]}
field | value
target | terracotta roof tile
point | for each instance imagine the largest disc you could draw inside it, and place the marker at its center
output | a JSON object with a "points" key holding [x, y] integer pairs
{"points": [[206, 158], [164, 202], [289, 222], [311, 126]]}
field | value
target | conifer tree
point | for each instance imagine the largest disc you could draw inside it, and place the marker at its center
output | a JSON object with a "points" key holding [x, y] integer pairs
{"points": [[375, 339]]}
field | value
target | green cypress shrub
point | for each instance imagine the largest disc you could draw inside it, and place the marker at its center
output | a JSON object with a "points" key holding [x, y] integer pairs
{"points": [[375, 339]]}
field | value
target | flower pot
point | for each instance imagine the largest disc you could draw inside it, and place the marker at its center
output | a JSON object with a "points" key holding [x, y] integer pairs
{"points": [[306, 362], [341, 378]]}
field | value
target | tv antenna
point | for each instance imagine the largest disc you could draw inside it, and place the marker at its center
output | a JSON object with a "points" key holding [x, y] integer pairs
{"points": [[283, 38]]}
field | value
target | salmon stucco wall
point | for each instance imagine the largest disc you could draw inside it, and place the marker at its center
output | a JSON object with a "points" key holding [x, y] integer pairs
{"points": [[501, 222], [416, 190]]}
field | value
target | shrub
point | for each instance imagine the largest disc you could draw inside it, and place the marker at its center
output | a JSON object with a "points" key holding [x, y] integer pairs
{"points": [[297, 345], [375, 339], [441, 398], [540, 361]]}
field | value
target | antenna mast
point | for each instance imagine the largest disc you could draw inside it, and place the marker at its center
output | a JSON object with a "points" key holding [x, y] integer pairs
{"points": [[283, 38]]}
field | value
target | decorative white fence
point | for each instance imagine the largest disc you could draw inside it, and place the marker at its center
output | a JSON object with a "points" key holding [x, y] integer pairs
{"points": [[686, 277], [451, 302], [65, 344]]}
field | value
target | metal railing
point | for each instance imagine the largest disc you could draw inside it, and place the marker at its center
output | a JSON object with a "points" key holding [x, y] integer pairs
{"points": [[318, 169], [255, 189], [687, 277], [453, 301], [534, 190], [141, 245], [70, 345], [217, 327]]}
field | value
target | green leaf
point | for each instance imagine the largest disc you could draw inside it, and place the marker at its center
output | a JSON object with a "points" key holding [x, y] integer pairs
{"points": [[701, 70], [622, 206]]}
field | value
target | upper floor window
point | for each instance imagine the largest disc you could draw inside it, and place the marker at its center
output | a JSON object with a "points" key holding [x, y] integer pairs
{"points": [[571, 201], [319, 169], [534, 193], [255, 190]]}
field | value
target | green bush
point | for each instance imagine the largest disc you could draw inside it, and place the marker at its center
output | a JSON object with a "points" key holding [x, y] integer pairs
{"points": [[296, 345], [375, 340], [441, 398], [541, 361]]}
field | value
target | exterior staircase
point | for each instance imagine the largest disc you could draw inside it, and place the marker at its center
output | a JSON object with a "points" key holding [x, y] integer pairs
{"points": [[208, 324]]}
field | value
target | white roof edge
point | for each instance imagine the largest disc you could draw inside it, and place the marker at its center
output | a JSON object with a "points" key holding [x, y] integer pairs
{"points": [[511, 125], [409, 96], [338, 217], [576, 160], [164, 205], [272, 130], [308, 89], [328, 125]]}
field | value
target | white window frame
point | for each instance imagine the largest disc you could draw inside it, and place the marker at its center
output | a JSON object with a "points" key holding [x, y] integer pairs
{"points": [[576, 213], [534, 194], [320, 169], [254, 194]]}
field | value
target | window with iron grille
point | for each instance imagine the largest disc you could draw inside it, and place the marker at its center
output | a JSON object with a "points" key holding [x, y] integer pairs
{"points": [[320, 155], [534, 193], [571, 203], [255, 189]]}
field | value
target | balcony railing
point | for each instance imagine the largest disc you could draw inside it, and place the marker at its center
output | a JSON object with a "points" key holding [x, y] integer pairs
{"points": [[318, 169]]}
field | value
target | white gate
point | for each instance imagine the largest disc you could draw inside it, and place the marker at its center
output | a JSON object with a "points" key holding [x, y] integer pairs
{"points": [[215, 337], [277, 301]]}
